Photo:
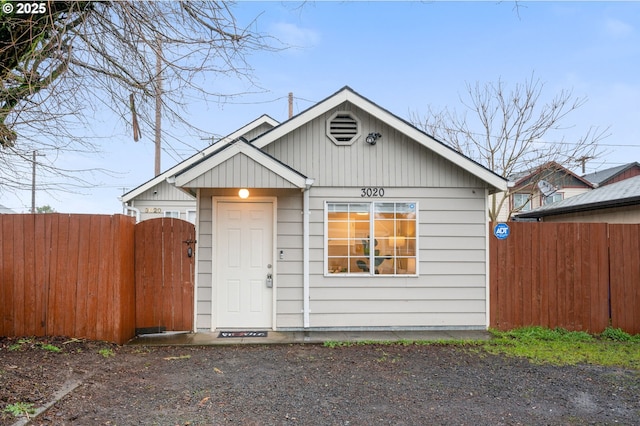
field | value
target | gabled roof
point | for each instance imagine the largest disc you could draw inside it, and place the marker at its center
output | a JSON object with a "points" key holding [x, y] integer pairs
{"points": [[619, 194], [241, 146], [346, 94], [553, 172], [602, 176], [263, 119]]}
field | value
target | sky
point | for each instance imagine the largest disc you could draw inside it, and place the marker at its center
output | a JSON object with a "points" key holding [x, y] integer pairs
{"points": [[404, 56]]}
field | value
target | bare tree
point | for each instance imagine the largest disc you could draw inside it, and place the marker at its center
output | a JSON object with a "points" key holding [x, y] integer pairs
{"points": [[505, 130], [137, 58]]}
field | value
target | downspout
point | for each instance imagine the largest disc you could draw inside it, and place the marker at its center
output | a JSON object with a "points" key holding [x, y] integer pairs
{"points": [[305, 253], [127, 209], [487, 262]]}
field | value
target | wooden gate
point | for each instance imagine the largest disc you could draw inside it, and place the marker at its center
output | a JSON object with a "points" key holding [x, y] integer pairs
{"points": [[164, 275]]}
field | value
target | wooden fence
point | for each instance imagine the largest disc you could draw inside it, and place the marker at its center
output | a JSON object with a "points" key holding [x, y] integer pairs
{"points": [[578, 276], [75, 275], [67, 275], [164, 275]]}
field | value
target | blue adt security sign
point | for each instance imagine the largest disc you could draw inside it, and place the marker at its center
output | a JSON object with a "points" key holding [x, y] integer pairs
{"points": [[501, 231]]}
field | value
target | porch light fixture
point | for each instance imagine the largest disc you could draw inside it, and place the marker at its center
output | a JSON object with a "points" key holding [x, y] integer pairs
{"points": [[243, 193], [372, 138]]}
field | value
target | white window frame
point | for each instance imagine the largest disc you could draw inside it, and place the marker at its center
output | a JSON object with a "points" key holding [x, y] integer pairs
{"points": [[553, 198], [371, 272], [522, 207], [195, 215], [171, 213]]}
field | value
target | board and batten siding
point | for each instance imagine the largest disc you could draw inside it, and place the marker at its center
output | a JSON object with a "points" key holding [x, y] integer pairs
{"points": [[288, 279], [450, 290], [395, 160], [239, 171]]}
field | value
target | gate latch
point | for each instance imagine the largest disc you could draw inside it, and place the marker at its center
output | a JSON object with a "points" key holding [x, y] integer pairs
{"points": [[189, 248]]}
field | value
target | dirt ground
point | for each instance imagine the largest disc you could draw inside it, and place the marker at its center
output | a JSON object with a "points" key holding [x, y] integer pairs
{"points": [[107, 384]]}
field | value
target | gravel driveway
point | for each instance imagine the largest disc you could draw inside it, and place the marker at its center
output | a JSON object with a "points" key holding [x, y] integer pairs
{"points": [[307, 385]]}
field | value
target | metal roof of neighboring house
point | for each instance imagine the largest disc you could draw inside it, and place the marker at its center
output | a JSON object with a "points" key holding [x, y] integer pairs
{"points": [[619, 194], [5, 210], [604, 175]]}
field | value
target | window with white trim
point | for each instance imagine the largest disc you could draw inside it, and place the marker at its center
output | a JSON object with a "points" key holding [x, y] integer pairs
{"points": [[172, 213], [376, 238], [552, 198], [521, 202]]}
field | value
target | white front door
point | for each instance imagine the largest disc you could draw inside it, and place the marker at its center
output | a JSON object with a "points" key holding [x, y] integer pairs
{"points": [[244, 258]]}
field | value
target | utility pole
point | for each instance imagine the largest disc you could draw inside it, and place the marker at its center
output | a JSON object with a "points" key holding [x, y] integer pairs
{"points": [[583, 160], [290, 104], [158, 105], [33, 181]]}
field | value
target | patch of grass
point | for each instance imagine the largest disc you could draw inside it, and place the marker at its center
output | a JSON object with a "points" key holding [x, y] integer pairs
{"points": [[542, 345], [20, 344], [50, 348], [106, 353], [20, 409], [562, 347]]}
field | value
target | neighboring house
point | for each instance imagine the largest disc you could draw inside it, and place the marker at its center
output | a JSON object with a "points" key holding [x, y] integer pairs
{"points": [[5, 210], [345, 216], [613, 203], [541, 186], [614, 174], [158, 198]]}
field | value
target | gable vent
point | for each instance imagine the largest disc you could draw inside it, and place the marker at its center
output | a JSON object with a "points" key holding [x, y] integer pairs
{"points": [[343, 128]]}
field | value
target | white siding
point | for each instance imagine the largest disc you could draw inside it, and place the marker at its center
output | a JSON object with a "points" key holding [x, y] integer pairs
{"points": [[450, 289], [239, 171], [163, 197], [395, 161]]}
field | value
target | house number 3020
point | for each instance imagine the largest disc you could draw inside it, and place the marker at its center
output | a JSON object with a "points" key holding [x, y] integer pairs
{"points": [[372, 192]]}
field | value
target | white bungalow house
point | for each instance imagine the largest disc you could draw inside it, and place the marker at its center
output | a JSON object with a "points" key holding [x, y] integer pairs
{"points": [[345, 216], [158, 198]]}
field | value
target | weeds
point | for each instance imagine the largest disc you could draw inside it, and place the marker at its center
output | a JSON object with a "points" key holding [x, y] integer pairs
{"points": [[20, 409], [50, 348], [558, 346], [106, 353]]}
